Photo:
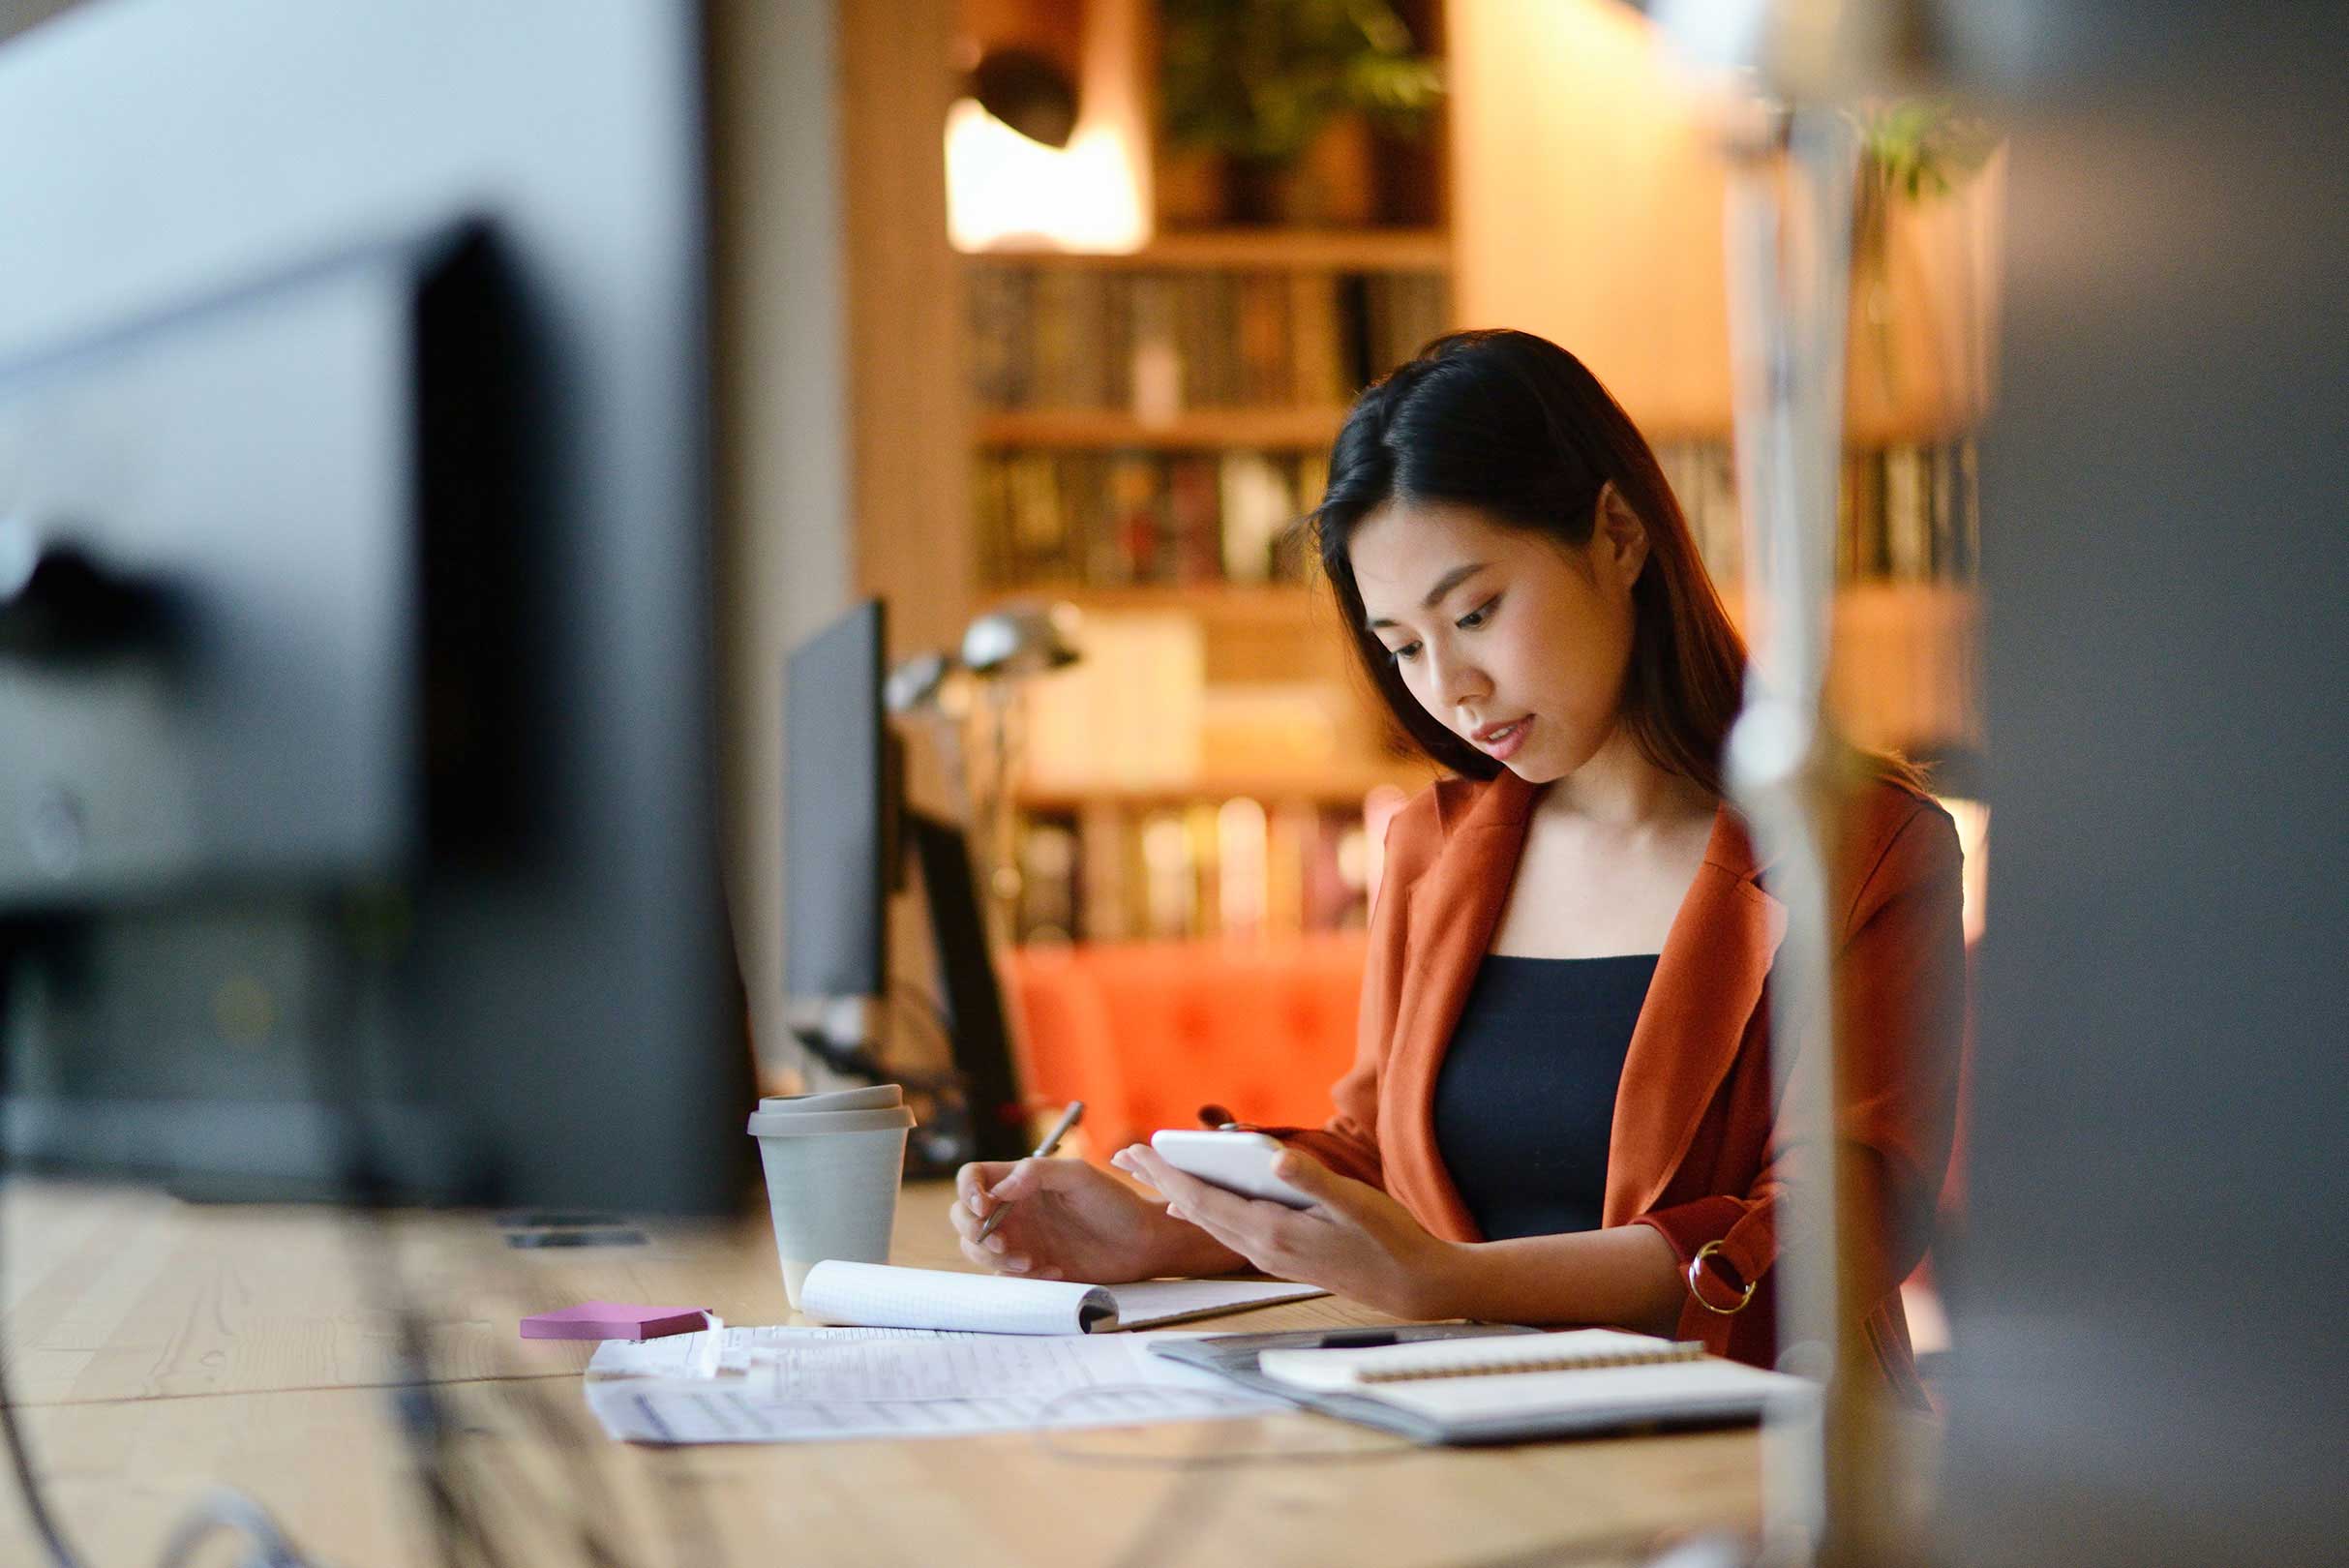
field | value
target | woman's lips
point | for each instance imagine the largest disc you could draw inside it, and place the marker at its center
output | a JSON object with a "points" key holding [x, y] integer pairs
{"points": [[1503, 741]]}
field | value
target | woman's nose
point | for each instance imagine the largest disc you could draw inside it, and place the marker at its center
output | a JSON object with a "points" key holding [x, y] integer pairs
{"points": [[1456, 680]]}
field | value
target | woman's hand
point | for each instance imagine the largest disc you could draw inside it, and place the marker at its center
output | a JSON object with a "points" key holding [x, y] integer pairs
{"points": [[1071, 1220], [1355, 1241]]}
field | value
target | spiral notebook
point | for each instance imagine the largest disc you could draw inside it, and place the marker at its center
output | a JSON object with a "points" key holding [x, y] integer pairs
{"points": [[883, 1295], [1496, 1388], [1570, 1350]]}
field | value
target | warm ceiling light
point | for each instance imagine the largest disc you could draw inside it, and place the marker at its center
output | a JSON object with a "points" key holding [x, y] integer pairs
{"points": [[1005, 187]]}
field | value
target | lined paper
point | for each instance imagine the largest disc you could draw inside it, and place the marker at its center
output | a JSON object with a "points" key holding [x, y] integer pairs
{"points": [[885, 1295]]}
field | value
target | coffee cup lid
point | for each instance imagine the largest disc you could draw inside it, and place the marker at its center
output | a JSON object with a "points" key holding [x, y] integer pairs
{"points": [[766, 1124], [871, 1097]]}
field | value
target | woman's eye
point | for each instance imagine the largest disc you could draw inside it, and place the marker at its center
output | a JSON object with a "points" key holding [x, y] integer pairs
{"points": [[1477, 616], [1403, 654]]}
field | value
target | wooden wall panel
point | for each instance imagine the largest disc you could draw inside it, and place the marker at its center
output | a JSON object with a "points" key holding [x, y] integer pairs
{"points": [[780, 427], [1587, 203], [908, 409]]}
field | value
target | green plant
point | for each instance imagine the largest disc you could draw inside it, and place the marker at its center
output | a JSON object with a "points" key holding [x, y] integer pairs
{"points": [[1920, 147], [1258, 80], [1912, 150]]}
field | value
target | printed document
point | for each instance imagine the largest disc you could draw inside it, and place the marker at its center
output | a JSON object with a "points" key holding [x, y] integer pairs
{"points": [[780, 1384]]}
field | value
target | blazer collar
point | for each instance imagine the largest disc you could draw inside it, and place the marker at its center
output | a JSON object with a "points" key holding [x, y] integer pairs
{"points": [[1708, 989], [1707, 984]]}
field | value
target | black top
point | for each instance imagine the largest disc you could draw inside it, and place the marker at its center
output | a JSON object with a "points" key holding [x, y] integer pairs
{"points": [[1526, 1095]]}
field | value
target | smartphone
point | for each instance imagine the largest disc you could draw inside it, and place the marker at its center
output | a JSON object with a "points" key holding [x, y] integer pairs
{"points": [[1239, 1162]]}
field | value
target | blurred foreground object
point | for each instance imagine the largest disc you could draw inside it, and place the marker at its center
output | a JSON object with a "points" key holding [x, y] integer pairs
{"points": [[356, 684], [2148, 1363], [1795, 69]]}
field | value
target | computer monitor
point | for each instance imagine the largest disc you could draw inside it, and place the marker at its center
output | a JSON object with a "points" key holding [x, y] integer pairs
{"points": [[356, 669], [848, 836], [840, 804]]}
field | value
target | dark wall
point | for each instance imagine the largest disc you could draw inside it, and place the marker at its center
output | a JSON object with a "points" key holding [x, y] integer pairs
{"points": [[2148, 1365]]}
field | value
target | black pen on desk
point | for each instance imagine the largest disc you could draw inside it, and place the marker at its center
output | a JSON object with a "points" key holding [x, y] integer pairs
{"points": [[1043, 1151]]}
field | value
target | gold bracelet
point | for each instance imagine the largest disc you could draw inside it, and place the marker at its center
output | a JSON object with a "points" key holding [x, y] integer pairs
{"points": [[1695, 1270]]}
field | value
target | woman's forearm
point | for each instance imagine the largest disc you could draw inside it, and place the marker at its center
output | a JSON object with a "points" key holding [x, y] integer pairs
{"points": [[1627, 1276]]}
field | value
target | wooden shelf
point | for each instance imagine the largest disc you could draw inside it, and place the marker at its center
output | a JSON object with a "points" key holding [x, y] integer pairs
{"points": [[1300, 605], [1280, 428], [1906, 675], [1882, 600], [1904, 671], [1932, 606], [1305, 249], [1344, 787], [1195, 430]]}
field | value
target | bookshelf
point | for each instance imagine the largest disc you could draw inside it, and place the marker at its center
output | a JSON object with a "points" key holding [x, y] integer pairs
{"points": [[1342, 789], [1413, 249], [1146, 426], [1147, 429], [1263, 429]]}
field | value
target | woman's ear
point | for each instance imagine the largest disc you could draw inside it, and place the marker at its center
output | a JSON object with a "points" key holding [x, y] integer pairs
{"points": [[1618, 537]]}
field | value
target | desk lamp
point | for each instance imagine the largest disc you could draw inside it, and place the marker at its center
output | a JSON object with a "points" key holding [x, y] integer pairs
{"points": [[933, 689], [1000, 648]]}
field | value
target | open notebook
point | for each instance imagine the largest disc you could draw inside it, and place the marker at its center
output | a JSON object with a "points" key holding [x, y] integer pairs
{"points": [[1494, 1388], [882, 1295]]}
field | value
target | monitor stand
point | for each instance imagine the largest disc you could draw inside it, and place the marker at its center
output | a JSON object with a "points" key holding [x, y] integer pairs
{"points": [[969, 993]]}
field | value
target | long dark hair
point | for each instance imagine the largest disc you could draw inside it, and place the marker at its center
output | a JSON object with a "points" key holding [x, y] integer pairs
{"points": [[1516, 427]]}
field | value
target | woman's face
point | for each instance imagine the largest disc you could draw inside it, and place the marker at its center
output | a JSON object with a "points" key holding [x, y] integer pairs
{"points": [[1515, 642]]}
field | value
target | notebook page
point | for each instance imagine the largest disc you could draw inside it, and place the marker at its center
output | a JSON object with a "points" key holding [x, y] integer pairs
{"points": [[881, 1295], [1339, 1369], [1149, 1302], [1684, 1389]]}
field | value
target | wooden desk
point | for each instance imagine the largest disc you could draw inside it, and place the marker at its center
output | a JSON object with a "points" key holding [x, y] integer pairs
{"points": [[159, 1348]]}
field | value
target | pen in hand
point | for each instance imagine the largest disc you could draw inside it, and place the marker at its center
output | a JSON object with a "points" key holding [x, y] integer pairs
{"points": [[1043, 1151]]}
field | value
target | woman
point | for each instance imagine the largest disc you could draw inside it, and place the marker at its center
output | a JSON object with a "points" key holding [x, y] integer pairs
{"points": [[1562, 1109]]}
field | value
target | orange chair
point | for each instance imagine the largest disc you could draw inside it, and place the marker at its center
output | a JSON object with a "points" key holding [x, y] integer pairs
{"points": [[1147, 1033]]}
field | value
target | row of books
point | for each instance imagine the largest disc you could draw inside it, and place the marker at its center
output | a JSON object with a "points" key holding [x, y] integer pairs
{"points": [[1911, 513], [1157, 341], [1908, 513], [1905, 513], [1237, 868], [1105, 519]]}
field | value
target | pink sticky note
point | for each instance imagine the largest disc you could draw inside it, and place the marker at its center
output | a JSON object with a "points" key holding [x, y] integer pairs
{"points": [[614, 1320]]}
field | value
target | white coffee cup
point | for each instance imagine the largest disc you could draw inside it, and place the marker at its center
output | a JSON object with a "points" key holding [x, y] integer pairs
{"points": [[831, 1182]]}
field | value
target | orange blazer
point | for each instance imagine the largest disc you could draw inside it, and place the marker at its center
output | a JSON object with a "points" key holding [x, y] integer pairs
{"points": [[1698, 1149]]}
